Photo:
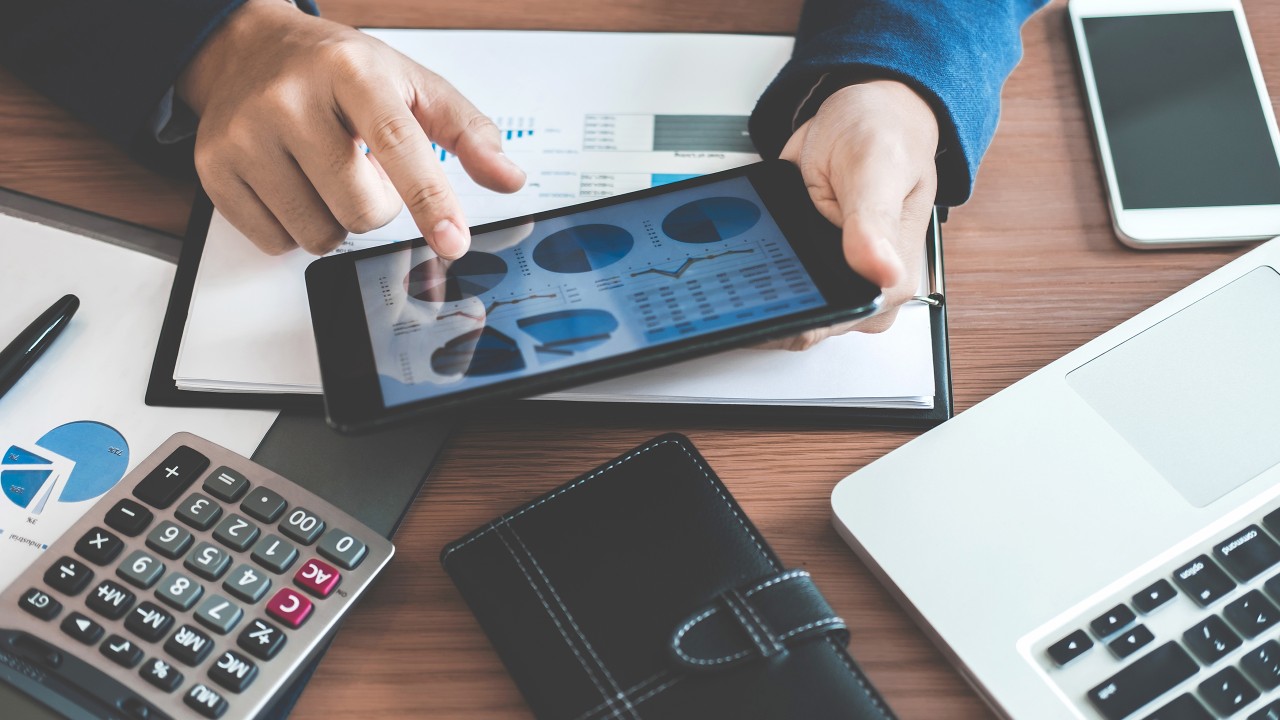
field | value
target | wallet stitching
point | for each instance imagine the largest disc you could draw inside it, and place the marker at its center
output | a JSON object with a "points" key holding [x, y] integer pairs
{"points": [[581, 661], [574, 623], [764, 629], [638, 687], [810, 626], [654, 691], [684, 629], [732, 603]]}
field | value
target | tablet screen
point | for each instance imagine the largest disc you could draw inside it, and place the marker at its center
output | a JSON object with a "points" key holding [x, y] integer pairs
{"points": [[580, 287]]}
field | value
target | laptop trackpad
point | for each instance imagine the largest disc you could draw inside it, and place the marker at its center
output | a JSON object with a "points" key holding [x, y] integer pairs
{"points": [[1198, 395]]}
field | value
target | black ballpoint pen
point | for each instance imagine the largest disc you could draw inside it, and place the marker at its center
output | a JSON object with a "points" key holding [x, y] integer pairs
{"points": [[22, 353]]}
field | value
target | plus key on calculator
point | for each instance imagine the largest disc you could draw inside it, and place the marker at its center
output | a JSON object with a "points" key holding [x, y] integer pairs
{"points": [[193, 589]]}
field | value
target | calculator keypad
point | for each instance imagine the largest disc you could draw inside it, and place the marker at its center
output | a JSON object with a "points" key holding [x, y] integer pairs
{"points": [[205, 585]]}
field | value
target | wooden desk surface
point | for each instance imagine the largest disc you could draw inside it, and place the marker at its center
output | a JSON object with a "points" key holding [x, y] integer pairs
{"points": [[1033, 272]]}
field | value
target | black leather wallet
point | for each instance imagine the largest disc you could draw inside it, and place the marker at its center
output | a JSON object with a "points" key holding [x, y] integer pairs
{"points": [[641, 590]]}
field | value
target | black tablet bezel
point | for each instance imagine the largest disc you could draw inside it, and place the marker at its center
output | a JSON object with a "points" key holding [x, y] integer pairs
{"points": [[353, 397]]}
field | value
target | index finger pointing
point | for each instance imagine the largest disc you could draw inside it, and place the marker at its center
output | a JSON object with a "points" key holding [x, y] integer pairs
{"points": [[383, 119]]}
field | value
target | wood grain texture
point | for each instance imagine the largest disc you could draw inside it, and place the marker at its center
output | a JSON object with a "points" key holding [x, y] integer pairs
{"points": [[1033, 272]]}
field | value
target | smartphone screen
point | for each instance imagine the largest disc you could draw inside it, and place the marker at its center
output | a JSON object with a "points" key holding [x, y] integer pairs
{"points": [[567, 290], [1183, 118]]}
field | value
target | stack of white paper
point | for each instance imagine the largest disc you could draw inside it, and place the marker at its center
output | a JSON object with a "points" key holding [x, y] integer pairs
{"points": [[587, 115]]}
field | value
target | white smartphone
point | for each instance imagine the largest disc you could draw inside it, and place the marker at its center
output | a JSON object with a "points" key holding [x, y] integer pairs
{"points": [[1184, 125]]}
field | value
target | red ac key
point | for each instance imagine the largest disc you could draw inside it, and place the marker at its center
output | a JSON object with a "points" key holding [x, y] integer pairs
{"points": [[289, 607], [317, 578]]}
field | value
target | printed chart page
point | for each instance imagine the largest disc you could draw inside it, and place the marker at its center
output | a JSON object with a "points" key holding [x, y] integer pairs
{"points": [[587, 115], [75, 423]]}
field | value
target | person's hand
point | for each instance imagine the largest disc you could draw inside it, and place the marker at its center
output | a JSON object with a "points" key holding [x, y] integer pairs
{"points": [[285, 100], [867, 157]]}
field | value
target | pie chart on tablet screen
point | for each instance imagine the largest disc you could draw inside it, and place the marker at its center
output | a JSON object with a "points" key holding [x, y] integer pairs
{"points": [[438, 280], [583, 248], [711, 220]]}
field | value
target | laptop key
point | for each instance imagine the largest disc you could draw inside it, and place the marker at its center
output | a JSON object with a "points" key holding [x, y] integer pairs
{"points": [[1248, 554], [1183, 707], [1157, 594], [1070, 647], [1228, 691], [1211, 639], [1112, 621], [1203, 580], [1263, 665], [1131, 642], [1252, 614], [1151, 676]]}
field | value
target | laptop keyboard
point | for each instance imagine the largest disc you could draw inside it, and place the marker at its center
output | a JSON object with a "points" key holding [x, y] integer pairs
{"points": [[1200, 640]]}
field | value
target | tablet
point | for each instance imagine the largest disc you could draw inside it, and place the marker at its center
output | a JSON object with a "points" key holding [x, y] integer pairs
{"points": [[578, 294]]}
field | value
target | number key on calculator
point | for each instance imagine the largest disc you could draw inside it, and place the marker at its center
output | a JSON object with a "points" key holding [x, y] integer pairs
{"points": [[194, 589]]}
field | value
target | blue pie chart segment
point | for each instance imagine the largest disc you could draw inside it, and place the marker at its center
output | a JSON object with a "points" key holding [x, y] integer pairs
{"points": [[583, 248], [711, 220], [438, 280], [569, 331], [99, 451], [478, 353]]}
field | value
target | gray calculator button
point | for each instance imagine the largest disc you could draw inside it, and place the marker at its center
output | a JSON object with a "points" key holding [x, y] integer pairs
{"points": [[274, 553], [208, 561], [219, 614], [236, 532], [342, 548], [263, 504], [179, 590], [247, 583], [199, 511], [302, 525], [169, 540], [140, 569], [226, 484]]}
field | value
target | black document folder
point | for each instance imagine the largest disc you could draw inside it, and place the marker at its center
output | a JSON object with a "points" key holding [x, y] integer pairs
{"points": [[162, 390]]}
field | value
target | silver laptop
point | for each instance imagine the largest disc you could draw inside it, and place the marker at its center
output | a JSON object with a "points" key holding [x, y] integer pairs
{"points": [[1102, 539]]}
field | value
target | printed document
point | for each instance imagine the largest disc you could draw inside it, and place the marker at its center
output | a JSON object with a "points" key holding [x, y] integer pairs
{"points": [[587, 115], [76, 423]]}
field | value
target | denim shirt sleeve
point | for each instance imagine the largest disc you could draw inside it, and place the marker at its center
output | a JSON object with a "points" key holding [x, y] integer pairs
{"points": [[955, 53], [112, 63]]}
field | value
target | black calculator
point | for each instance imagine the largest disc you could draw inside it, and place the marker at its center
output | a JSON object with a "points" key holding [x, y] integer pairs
{"points": [[196, 588]]}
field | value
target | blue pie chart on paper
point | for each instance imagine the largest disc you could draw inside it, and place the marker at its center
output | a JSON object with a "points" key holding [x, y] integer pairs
{"points": [[101, 457], [583, 248], [711, 220]]}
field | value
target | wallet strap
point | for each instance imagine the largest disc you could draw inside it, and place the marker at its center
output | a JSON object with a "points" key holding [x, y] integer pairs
{"points": [[755, 622]]}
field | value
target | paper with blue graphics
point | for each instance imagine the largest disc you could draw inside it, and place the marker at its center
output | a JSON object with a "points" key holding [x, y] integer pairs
{"points": [[588, 115], [75, 424]]}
